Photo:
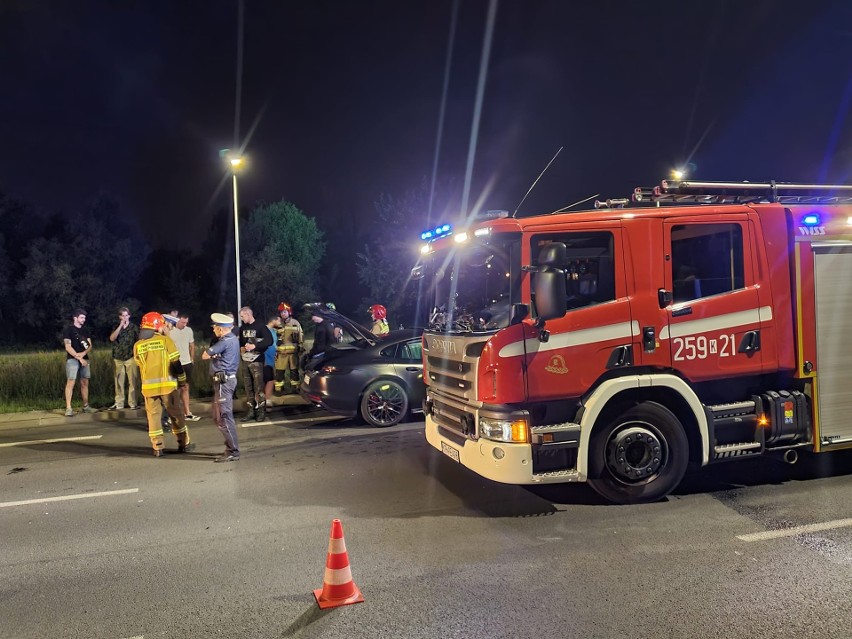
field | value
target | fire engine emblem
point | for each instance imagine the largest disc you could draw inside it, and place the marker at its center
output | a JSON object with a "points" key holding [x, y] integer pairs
{"points": [[556, 365]]}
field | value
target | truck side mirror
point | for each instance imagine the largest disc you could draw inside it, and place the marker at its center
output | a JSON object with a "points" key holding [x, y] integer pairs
{"points": [[550, 293]]}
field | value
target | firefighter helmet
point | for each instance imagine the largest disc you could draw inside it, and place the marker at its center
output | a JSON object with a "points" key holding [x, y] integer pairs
{"points": [[284, 306], [378, 312], [152, 320]]}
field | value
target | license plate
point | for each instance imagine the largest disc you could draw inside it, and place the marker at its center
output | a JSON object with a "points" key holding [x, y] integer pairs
{"points": [[307, 379], [450, 452]]}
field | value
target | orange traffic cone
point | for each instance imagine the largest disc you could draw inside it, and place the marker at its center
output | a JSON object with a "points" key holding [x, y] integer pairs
{"points": [[338, 589]]}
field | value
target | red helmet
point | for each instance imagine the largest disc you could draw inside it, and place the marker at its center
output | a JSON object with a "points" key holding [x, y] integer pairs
{"points": [[378, 311], [284, 306], [153, 321]]}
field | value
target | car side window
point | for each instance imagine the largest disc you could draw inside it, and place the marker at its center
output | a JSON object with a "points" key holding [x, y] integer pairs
{"points": [[411, 351], [389, 352]]}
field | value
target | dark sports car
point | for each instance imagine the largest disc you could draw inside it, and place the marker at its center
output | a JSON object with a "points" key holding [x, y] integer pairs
{"points": [[378, 378]]}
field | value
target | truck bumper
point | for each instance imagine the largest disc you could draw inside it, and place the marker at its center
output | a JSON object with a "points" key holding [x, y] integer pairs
{"points": [[497, 461]]}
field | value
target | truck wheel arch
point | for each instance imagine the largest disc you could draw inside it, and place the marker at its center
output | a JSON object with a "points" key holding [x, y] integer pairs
{"points": [[616, 395]]}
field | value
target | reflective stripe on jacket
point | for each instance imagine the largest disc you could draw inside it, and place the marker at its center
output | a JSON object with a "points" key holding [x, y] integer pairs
{"points": [[154, 357]]}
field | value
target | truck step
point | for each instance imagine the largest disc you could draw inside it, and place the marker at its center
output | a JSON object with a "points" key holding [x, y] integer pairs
{"points": [[739, 449], [555, 428], [562, 475], [734, 408]]}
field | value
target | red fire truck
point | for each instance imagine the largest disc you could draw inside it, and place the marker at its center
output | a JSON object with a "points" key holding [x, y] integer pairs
{"points": [[697, 322]]}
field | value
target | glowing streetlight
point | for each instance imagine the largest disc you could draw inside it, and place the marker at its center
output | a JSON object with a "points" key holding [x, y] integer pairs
{"points": [[236, 161]]}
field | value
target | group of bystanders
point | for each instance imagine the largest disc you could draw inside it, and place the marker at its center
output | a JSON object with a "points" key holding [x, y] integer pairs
{"points": [[77, 339], [156, 359]]}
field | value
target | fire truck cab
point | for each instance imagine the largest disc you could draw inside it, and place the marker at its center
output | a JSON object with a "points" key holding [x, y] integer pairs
{"points": [[700, 322]]}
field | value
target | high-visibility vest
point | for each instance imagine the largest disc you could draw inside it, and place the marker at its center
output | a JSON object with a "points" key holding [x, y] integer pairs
{"points": [[154, 357], [380, 327]]}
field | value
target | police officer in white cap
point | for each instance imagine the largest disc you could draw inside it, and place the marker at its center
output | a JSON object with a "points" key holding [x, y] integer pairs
{"points": [[224, 358]]}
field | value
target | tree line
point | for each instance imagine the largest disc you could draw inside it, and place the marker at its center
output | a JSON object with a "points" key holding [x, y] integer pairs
{"points": [[100, 259]]}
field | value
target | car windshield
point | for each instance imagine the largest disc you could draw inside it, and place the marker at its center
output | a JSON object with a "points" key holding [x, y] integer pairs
{"points": [[471, 287]]}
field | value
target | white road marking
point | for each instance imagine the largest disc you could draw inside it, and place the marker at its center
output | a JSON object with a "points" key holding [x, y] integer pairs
{"points": [[109, 493], [50, 441], [796, 530], [327, 418]]}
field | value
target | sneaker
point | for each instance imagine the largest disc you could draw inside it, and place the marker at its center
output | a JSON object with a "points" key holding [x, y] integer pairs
{"points": [[69, 412], [227, 457], [191, 418], [132, 407], [186, 449], [89, 409]]}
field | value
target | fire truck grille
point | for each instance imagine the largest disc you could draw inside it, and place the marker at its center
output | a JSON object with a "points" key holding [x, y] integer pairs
{"points": [[453, 421], [451, 366], [449, 382], [445, 365]]}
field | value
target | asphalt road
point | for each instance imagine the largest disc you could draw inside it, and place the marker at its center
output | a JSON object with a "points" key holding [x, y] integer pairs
{"points": [[182, 547]]}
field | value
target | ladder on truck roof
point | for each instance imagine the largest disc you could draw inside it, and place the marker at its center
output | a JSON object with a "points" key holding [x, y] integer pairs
{"points": [[689, 192]]}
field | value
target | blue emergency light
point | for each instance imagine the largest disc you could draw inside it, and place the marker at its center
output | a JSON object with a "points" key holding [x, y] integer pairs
{"points": [[811, 219], [438, 231]]}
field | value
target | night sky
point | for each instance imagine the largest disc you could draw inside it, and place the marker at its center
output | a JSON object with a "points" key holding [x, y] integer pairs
{"points": [[136, 98]]}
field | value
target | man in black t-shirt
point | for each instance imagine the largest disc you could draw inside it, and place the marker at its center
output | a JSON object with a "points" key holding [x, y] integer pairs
{"points": [[78, 342], [255, 338]]}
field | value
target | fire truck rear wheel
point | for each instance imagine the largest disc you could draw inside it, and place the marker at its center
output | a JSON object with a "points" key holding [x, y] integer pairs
{"points": [[640, 456]]}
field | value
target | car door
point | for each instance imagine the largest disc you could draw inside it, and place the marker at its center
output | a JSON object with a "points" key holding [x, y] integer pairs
{"points": [[409, 367]]}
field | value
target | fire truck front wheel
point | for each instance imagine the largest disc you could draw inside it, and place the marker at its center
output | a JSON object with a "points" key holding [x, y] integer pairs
{"points": [[640, 456]]}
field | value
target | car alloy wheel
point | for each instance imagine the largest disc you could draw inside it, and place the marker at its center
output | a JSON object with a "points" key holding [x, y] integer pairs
{"points": [[384, 403]]}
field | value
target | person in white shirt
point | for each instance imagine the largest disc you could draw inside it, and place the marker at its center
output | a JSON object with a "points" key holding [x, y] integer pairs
{"points": [[184, 339]]}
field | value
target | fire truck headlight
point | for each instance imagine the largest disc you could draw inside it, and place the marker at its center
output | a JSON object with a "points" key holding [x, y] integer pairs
{"points": [[504, 430]]}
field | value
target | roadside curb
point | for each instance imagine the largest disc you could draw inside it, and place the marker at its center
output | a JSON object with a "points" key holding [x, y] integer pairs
{"points": [[38, 418]]}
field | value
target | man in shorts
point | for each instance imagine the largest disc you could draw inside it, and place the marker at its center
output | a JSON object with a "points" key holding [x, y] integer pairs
{"points": [[78, 342]]}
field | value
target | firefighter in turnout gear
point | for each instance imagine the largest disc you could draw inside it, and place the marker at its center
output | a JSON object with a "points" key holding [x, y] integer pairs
{"points": [[380, 322], [290, 346], [161, 373]]}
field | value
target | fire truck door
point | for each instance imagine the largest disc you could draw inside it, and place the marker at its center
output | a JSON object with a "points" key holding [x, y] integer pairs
{"points": [[595, 334], [714, 316]]}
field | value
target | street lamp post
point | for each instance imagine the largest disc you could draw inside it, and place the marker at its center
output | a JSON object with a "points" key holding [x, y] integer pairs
{"points": [[236, 161]]}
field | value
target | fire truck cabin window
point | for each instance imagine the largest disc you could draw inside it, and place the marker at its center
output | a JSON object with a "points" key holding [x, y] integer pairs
{"points": [[589, 273], [707, 259]]}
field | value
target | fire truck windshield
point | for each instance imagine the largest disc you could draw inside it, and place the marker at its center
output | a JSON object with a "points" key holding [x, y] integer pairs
{"points": [[472, 286]]}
